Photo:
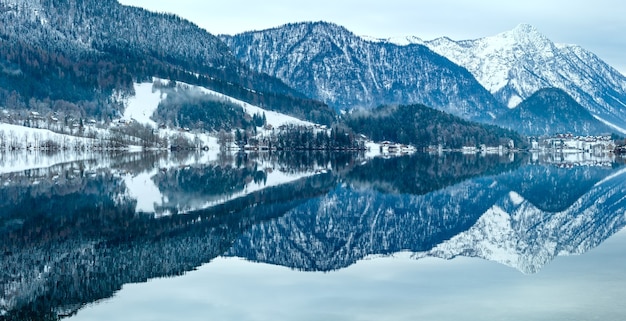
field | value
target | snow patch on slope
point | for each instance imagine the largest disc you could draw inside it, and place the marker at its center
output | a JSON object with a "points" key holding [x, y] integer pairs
{"points": [[275, 119], [514, 101], [516, 198], [147, 98], [154, 198], [142, 106], [610, 177], [398, 41], [275, 178], [618, 128]]}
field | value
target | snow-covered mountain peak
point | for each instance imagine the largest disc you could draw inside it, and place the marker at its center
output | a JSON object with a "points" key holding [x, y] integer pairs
{"points": [[323, 26], [517, 233], [524, 30], [515, 64], [493, 60], [442, 41], [308, 29], [526, 40], [525, 34]]}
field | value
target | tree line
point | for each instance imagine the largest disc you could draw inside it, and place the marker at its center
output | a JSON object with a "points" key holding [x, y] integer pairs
{"points": [[422, 127], [293, 137]]}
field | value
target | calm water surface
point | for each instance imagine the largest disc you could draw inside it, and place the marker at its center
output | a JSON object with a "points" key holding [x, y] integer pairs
{"points": [[313, 236]]}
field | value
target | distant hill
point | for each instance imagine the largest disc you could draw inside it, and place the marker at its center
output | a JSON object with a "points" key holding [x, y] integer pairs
{"points": [[552, 111], [423, 126]]}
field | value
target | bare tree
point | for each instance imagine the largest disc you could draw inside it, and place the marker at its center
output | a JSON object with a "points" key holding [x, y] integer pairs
{"points": [[13, 141], [37, 139], [225, 139], [2, 139], [26, 138]]}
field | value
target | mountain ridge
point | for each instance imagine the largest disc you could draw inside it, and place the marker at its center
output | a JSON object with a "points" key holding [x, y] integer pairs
{"points": [[515, 64], [82, 51], [114, 46], [329, 62]]}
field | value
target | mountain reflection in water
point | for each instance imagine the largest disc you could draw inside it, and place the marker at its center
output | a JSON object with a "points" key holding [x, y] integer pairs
{"points": [[76, 232]]}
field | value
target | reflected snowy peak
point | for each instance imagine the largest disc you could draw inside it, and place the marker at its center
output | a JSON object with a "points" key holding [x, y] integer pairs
{"points": [[523, 219]]}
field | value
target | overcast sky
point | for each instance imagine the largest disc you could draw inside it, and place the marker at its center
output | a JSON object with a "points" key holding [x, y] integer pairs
{"points": [[597, 25]]}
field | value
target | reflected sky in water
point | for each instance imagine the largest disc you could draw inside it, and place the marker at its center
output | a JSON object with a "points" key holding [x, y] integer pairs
{"points": [[386, 288]]}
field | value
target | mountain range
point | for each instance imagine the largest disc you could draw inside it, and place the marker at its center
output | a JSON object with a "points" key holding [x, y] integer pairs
{"points": [[74, 56], [512, 66], [51, 274], [330, 63], [72, 234]]}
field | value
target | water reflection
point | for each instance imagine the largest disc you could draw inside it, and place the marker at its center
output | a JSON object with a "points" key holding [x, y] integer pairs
{"points": [[522, 218], [75, 232]]}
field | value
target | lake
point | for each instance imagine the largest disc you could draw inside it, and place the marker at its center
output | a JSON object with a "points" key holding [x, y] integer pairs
{"points": [[310, 236]]}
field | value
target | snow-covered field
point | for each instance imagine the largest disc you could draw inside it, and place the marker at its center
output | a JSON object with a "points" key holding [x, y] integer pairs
{"points": [[140, 108], [275, 119], [21, 161], [27, 135]]}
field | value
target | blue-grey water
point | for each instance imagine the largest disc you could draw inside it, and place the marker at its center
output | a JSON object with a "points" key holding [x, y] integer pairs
{"points": [[307, 236]]}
